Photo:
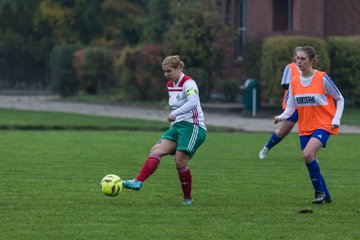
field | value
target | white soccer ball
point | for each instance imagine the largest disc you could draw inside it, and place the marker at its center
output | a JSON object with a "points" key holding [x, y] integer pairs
{"points": [[111, 185]]}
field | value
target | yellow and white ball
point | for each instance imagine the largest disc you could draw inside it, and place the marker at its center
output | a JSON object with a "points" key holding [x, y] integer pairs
{"points": [[111, 185]]}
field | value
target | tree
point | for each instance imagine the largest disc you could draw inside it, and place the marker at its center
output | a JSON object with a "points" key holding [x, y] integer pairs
{"points": [[159, 21], [21, 54], [195, 35], [30, 29], [124, 20]]}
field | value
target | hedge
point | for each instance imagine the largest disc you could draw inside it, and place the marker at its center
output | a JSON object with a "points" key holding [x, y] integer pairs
{"points": [[62, 74], [140, 73], [345, 70], [94, 70]]}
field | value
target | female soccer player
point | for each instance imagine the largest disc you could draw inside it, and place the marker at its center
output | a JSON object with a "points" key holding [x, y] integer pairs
{"points": [[290, 71], [187, 129], [313, 93]]}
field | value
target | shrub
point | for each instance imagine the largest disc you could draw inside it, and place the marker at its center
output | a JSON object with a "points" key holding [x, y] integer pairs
{"points": [[139, 70], [94, 69], [277, 52], [62, 74], [345, 65], [229, 89], [252, 56]]}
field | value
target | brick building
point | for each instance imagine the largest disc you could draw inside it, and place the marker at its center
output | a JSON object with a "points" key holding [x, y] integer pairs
{"points": [[256, 19]]}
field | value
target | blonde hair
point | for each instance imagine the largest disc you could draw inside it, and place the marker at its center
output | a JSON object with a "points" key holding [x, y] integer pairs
{"points": [[298, 48], [173, 61]]}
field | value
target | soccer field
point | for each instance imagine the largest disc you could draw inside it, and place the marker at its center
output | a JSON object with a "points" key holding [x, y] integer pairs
{"points": [[50, 188]]}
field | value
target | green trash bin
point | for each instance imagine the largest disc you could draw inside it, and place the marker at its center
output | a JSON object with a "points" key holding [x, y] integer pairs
{"points": [[251, 95]]}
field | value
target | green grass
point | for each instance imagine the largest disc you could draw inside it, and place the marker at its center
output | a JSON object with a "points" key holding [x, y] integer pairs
{"points": [[18, 119], [37, 120], [351, 116], [50, 188]]}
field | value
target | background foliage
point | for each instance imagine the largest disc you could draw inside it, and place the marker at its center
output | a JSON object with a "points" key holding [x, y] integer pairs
{"points": [[187, 28], [140, 74], [107, 29], [63, 76], [97, 74], [345, 65]]}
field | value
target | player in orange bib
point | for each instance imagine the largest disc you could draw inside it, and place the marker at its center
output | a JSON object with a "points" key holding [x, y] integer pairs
{"points": [[320, 106], [290, 71]]}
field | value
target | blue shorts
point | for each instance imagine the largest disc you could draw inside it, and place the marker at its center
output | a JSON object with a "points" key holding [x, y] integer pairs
{"points": [[293, 117], [320, 134]]}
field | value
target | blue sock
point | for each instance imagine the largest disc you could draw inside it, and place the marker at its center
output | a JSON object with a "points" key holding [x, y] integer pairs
{"points": [[326, 191], [315, 175], [273, 141]]}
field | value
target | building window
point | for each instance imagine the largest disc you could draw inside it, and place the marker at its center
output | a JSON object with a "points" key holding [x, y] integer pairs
{"points": [[228, 20], [241, 27], [282, 15]]}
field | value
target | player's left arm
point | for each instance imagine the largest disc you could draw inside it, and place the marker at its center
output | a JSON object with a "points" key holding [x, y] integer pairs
{"points": [[192, 96], [333, 91]]}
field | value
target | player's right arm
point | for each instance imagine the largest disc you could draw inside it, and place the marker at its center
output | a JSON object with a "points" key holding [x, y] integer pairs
{"points": [[285, 81], [290, 108]]}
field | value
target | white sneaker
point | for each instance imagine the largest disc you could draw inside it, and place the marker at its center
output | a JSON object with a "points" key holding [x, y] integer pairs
{"points": [[186, 202], [263, 152]]}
